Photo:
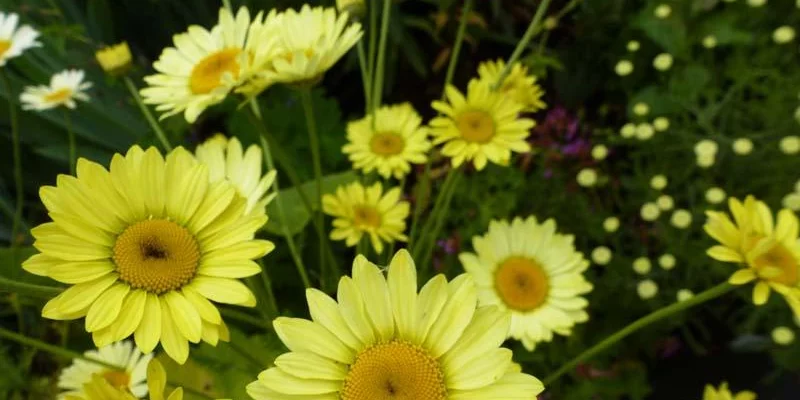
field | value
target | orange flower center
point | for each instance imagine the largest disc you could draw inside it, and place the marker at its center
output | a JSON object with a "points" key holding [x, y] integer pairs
{"points": [[58, 96], [4, 46], [117, 379], [387, 143], [521, 283], [778, 265], [476, 126], [207, 74], [366, 217]]}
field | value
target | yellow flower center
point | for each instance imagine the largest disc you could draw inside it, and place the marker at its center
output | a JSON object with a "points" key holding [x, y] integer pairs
{"points": [[117, 379], [778, 265], [58, 96], [366, 217], [396, 370], [4, 46], [156, 255], [475, 126], [387, 143], [521, 283], [207, 74]]}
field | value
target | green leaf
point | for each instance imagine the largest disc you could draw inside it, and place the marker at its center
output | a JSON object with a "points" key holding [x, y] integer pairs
{"points": [[669, 33], [295, 214], [687, 83]]}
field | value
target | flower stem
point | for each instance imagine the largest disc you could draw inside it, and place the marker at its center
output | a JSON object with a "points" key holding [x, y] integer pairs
{"points": [[244, 317], [366, 75], [377, 89], [12, 110], [298, 260], [437, 217], [462, 28], [72, 145], [640, 323], [58, 351], [148, 115], [28, 289], [373, 38], [313, 139], [534, 28]]}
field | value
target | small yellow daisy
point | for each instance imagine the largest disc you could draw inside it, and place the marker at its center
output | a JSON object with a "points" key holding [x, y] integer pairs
{"points": [[517, 84], [147, 245], [484, 126], [768, 252], [100, 389], [65, 87], [14, 39], [226, 160], [114, 60], [204, 66], [723, 393], [122, 354], [359, 211], [395, 142], [535, 273], [308, 43], [383, 340]]}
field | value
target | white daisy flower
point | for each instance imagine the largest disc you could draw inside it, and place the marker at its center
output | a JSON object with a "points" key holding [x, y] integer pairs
{"points": [[14, 40], [65, 87], [133, 378]]}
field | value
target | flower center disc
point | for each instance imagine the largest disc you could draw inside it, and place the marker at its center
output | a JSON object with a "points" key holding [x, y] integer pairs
{"points": [[779, 257], [207, 74], [4, 46], [156, 255], [58, 96], [117, 379], [387, 143], [521, 283], [475, 126], [396, 370], [366, 217]]}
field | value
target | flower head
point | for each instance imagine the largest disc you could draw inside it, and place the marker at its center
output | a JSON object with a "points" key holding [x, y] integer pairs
{"points": [[99, 388], [623, 67], [587, 177], [65, 87], [146, 246], [647, 289], [537, 274], [784, 34], [381, 339], [14, 39], [360, 211], [130, 377], [115, 60], [663, 61], [723, 393], [483, 126], [768, 252], [520, 86], [395, 141], [601, 255], [742, 146], [783, 336]]}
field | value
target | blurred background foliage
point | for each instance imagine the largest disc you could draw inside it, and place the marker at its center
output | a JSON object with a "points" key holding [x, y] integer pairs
{"points": [[747, 86]]}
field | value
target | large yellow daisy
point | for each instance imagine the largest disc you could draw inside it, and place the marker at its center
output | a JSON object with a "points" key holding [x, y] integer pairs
{"points": [[383, 340], [204, 66], [518, 84], [535, 273], [15, 39], [308, 43], [131, 378], [145, 246], [769, 253], [483, 126], [391, 145], [99, 388], [723, 393], [226, 160], [359, 211]]}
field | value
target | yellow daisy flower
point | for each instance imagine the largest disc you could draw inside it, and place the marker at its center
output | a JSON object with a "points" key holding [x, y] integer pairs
{"points": [[99, 389], [396, 141], [517, 84], [123, 354], [769, 252], [204, 66], [226, 160], [483, 126], [723, 393], [359, 211], [145, 246], [309, 42], [14, 39], [114, 60], [535, 273], [65, 87], [384, 340]]}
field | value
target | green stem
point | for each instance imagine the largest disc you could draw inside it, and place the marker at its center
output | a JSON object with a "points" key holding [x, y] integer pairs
{"points": [[534, 28], [377, 89], [247, 354], [12, 110], [424, 183], [640, 323], [373, 38], [462, 28], [298, 260], [72, 145], [55, 350], [28, 289], [148, 115], [366, 75], [244, 317], [313, 139], [438, 216]]}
